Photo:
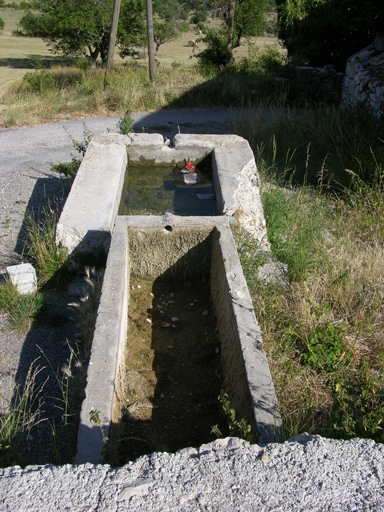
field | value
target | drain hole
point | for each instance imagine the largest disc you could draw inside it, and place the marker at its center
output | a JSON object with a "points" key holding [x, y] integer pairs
{"points": [[169, 229]]}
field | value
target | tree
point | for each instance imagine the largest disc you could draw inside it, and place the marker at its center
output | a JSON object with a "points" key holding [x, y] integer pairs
{"points": [[132, 26], [230, 23], [1, 24], [163, 32], [320, 32], [249, 19], [170, 10], [83, 28], [241, 18]]}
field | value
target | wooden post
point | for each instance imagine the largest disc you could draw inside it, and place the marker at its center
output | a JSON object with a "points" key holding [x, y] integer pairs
{"points": [[231, 23], [113, 34], [151, 46]]}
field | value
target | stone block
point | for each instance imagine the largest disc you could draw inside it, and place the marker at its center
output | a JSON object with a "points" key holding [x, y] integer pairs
{"points": [[303, 75], [23, 277]]}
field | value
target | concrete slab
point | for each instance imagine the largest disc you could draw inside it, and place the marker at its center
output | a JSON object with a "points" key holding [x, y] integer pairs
{"points": [[23, 277], [89, 214]]}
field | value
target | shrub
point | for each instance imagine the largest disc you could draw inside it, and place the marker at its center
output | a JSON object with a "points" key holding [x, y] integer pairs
{"points": [[199, 16], [125, 123], [215, 55], [38, 81], [35, 25]]}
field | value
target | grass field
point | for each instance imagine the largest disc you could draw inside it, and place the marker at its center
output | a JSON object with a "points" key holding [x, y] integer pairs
{"points": [[17, 53]]}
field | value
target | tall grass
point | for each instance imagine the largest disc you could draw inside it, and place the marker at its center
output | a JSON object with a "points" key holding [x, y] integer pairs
{"points": [[21, 309], [315, 144], [50, 259], [323, 333], [24, 413], [45, 94]]}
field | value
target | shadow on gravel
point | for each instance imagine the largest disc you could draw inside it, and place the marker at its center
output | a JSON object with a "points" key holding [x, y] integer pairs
{"points": [[50, 349], [49, 192]]}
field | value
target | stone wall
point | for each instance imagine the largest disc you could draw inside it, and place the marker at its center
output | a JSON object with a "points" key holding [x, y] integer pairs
{"points": [[364, 78], [319, 83]]}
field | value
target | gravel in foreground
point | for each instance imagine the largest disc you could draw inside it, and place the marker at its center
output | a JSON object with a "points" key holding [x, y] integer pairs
{"points": [[309, 473]]}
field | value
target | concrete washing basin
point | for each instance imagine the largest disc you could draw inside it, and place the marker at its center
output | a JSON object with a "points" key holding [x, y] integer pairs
{"points": [[179, 248]]}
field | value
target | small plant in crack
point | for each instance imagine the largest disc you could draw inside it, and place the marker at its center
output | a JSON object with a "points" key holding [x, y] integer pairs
{"points": [[237, 427], [95, 417]]}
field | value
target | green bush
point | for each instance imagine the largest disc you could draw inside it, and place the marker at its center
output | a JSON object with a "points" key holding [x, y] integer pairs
{"points": [[214, 57], [199, 16], [1, 24], [267, 63], [38, 81], [321, 33]]}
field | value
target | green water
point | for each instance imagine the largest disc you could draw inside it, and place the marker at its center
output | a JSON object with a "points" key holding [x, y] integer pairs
{"points": [[152, 190]]}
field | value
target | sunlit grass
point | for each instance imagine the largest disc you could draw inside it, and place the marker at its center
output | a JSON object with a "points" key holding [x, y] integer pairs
{"points": [[323, 333]]}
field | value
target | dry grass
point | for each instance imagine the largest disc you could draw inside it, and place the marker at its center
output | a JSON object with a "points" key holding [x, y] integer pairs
{"points": [[337, 305], [324, 333], [24, 414], [18, 53]]}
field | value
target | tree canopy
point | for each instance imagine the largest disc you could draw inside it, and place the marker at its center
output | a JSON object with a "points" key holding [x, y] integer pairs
{"points": [[82, 28], [321, 32], [249, 19]]}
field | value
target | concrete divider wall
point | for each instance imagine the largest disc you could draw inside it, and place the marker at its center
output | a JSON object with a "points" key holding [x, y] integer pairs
{"points": [[107, 353]]}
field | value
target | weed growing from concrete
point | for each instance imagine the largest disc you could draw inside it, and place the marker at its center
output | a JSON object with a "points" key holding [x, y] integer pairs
{"points": [[237, 427]]}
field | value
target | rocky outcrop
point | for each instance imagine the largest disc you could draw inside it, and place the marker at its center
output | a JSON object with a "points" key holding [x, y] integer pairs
{"points": [[364, 78]]}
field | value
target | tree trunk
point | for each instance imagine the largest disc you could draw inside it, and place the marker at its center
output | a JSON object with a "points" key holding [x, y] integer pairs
{"points": [[113, 34], [151, 46], [231, 22], [93, 54]]}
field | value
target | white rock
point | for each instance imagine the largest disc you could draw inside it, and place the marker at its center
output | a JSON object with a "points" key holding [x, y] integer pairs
{"points": [[23, 277]]}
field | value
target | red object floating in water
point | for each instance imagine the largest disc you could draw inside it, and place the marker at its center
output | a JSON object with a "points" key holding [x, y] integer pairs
{"points": [[189, 166]]}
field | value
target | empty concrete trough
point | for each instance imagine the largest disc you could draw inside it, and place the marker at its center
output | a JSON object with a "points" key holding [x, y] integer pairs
{"points": [[184, 248]]}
